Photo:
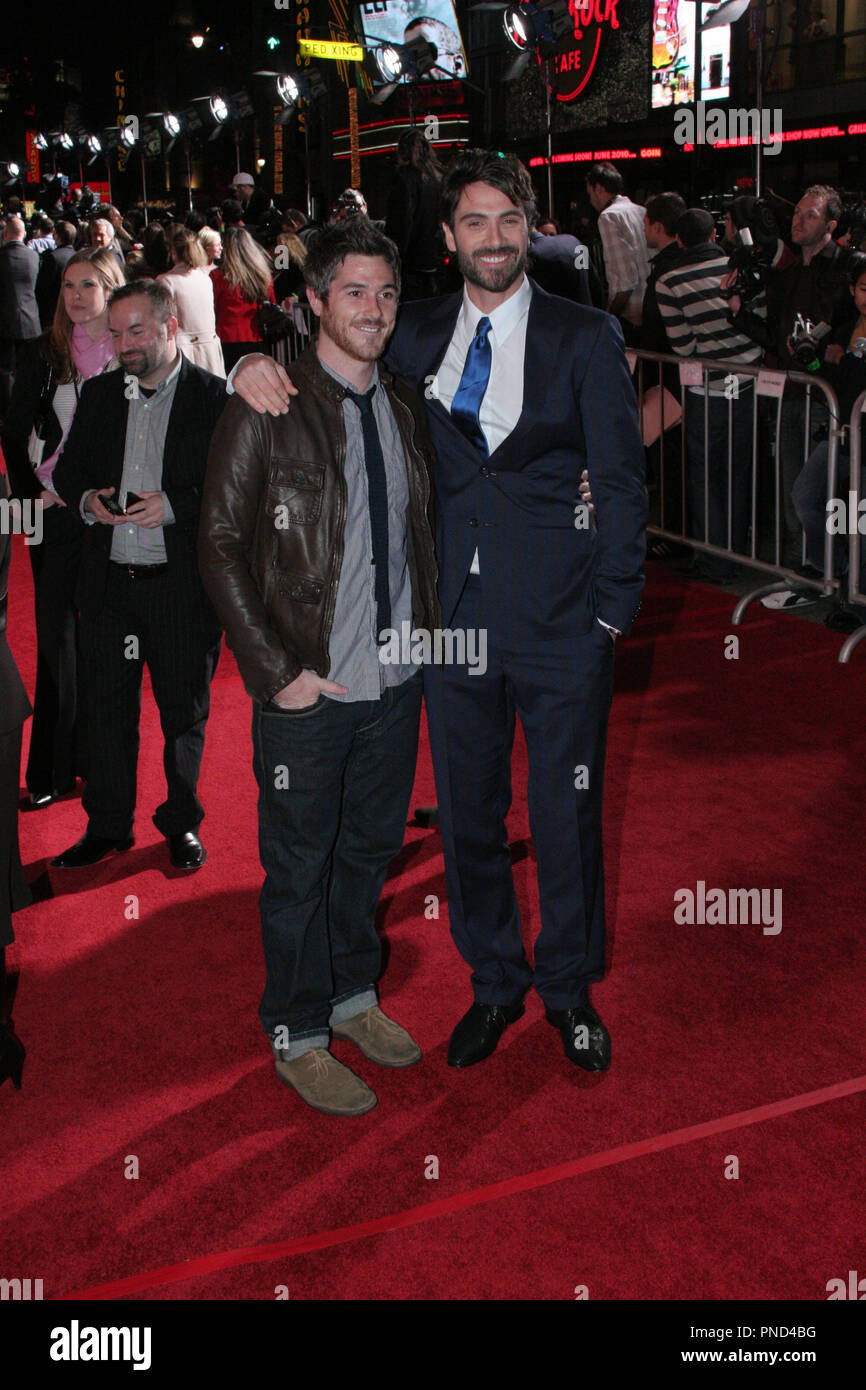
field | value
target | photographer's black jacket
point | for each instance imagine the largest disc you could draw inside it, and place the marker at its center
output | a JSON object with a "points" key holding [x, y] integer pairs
{"points": [[818, 291]]}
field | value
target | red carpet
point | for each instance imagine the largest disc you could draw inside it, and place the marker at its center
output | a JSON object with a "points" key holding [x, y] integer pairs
{"points": [[143, 1040]]}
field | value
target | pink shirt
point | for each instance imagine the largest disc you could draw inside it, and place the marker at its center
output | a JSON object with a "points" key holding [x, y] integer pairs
{"points": [[90, 358]]}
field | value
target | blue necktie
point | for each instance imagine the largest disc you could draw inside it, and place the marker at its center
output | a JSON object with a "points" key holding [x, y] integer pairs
{"points": [[470, 393], [377, 493]]}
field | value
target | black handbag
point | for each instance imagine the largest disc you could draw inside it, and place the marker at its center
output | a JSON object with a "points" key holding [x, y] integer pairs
{"points": [[274, 324]]}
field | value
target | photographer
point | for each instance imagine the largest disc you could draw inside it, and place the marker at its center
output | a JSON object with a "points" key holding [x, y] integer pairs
{"points": [[813, 286], [694, 313], [845, 369]]}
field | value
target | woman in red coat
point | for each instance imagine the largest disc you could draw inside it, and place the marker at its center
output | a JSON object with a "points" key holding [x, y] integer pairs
{"points": [[240, 285]]}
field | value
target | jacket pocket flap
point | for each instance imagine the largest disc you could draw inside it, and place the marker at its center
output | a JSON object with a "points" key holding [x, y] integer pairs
{"points": [[301, 587]]}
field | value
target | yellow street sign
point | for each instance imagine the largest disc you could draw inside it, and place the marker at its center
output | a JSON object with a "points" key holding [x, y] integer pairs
{"points": [[342, 52]]}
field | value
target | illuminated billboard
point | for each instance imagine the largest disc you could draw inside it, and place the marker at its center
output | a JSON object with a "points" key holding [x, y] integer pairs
{"points": [[673, 55], [398, 21]]}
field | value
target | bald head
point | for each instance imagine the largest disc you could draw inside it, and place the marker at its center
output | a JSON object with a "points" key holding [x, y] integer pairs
{"points": [[14, 230]]}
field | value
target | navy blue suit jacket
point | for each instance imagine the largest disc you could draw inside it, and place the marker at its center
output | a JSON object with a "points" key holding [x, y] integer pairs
{"points": [[545, 579]]}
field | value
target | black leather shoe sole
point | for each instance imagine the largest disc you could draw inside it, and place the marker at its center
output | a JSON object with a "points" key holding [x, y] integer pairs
{"points": [[478, 1032], [82, 857]]}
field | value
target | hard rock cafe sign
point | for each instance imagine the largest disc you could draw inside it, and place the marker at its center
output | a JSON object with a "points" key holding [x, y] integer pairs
{"points": [[577, 52]]}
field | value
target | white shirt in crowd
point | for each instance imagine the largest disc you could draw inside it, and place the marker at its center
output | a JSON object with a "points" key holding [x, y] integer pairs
{"points": [[626, 258]]}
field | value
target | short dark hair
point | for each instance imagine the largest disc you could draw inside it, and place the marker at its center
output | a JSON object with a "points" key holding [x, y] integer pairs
{"points": [[194, 220], [607, 175], [666, 208], [232, 212], [695, 227], [330, 247], [502, 171], [161, 300], [833, 208], [856, 267], [64, 233]]}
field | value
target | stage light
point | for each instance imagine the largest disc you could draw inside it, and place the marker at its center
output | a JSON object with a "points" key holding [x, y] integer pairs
{"points": [[10, 171], [287, 90], [171, 125], [219, 109], [65, 141], [538, 24], [197, 40], [389, 61], [40, 142], [518, 30], [127, 137], [94, 145]]}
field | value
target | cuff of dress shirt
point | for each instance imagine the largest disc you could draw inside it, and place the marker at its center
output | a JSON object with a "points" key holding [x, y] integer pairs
{"points": [[87, 517], [614, 631], [169, 518]]}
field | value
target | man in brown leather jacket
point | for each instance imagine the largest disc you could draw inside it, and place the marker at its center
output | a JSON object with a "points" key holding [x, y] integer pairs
{"points": [[314, 548]]}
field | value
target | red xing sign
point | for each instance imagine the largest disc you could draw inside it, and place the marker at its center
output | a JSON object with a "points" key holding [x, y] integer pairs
{"points": [[577, 52]]}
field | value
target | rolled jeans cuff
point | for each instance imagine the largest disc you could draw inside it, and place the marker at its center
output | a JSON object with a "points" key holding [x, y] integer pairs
{"points": [[298, 1045], [351, 1005]]}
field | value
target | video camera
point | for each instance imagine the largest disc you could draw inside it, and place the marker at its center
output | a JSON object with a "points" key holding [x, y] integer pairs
{"points": [[805, 338], [753, 252]]}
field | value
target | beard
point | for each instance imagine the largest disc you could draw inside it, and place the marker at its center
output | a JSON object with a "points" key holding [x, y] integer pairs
{"points": [[363, 350], [495, 277], [143, 361]]}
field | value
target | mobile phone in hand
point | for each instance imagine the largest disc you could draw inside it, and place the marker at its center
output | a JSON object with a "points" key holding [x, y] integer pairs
{"points": [[111, 504], [131, 499]]}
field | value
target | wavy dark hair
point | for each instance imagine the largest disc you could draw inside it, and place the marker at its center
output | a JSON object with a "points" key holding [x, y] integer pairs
{"points": [[329, 248], [503, 171]]}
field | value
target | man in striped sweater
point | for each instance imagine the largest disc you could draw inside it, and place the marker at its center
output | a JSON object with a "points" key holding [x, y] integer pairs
{"points": [[719, 411]]}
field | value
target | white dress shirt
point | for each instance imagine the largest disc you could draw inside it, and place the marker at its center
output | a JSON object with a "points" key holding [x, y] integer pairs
{"points": [[503, 400]]}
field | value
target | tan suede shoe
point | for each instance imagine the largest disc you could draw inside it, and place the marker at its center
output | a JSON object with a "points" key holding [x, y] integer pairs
{"points": [[379, 1038], [326, 1085]]}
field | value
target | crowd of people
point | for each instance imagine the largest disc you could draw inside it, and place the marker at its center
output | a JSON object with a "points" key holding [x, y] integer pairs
{"points": [[157, 527]]}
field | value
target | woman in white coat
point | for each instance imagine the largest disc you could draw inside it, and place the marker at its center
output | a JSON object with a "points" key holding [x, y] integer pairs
{"points": [[190, 284]]}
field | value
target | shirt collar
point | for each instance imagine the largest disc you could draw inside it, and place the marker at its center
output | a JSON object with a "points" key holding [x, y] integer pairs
{"points": [[347, 385], [167, 381], [504, 318]]}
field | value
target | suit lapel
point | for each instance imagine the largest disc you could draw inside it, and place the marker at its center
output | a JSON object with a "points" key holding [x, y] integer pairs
{"points": [[540, 356], [179, 420]]}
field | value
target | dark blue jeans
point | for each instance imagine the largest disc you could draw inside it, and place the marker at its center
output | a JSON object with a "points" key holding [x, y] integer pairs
{"points": [[334, 787], [810, 500]]}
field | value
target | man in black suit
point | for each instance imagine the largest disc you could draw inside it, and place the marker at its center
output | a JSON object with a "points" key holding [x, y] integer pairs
{"points": [[560, 264], [19, 314], [14, 890], [52, 264], [140, 439]]}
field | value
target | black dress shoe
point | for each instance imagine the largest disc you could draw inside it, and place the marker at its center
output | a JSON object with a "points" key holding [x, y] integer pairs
{"points": [[584, 1036], [36, 800], [12, 1054], [478, 1032], [187, 851], [89, 850]]}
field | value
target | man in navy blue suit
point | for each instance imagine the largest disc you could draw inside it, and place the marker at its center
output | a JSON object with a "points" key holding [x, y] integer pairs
{"points": [[523, 390]]}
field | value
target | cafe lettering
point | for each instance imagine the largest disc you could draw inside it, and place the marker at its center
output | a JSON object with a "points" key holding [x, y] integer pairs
{"points": [[577, 52]]}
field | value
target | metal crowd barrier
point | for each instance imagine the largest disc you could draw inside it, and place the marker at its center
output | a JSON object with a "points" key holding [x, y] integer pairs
{"points": [[299, 337], [855, 595], [769, 385]]}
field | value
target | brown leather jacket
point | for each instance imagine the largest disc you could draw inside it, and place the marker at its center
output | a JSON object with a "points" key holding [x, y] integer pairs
{"points": [[274, 586]]}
